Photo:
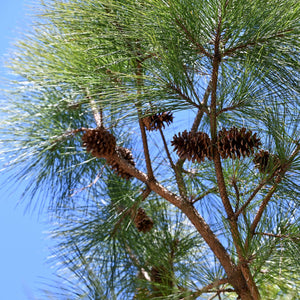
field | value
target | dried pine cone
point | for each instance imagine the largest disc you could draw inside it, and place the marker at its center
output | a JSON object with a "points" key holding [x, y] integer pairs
{"points": [[161, 276], [157, 273], [99, 142], [265, 161], [125, 154], [235, 143], [192, 146], [142, 221], [157, 121]]}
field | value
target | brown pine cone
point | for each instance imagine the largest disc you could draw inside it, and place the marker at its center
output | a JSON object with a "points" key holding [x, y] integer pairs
{"points": [[266, 162], [142, 221], [157, 121], [99, 141], [125, 154], [192, 146], [237, 143]]}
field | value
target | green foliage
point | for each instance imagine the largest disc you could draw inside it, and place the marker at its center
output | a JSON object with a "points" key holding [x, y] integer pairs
{"points": [[114, 62]]}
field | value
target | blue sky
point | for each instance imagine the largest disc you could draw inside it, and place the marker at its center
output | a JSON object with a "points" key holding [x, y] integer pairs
{"points": [[23, 244]]}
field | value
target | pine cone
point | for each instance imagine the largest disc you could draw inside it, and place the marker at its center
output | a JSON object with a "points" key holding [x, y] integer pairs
{"points": [[235, 143], [99, 142], [142, 221], [156, 121], [265, 161], [192, 146], [125, 154], [161, 275]]}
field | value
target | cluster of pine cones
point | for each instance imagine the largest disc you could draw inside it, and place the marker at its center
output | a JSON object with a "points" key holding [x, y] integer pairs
{"points": [[233, 143], [102, 144], [157, 121]]}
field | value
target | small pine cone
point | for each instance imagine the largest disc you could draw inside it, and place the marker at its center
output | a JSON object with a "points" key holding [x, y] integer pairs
{"points": [[261, 160], [235, 143], [192, 146], [161, 275], [125, 154], [99, 142], [157, 273], [142, 221], [265, 161], [156, 121]]}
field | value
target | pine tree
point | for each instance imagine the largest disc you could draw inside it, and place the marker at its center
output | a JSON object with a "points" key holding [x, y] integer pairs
{"points": [[167, 136]]}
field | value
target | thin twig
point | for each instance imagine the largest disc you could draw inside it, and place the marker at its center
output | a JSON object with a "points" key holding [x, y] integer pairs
{"points": [[263, 206], [166, 148], [231, 51], [66, 135], [96, 113], [178, 175], [210, 287], [280, 236], [209, 191], [198, 46], [137, 263], [91, 184], [227, 109], [184, 96], [191, 84], [196, 123], [257, 189], [237, 193], [200, 112], [139, 82], [131, 210], [284, 168]]}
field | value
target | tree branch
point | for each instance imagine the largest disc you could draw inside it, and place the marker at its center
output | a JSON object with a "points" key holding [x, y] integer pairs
{"points": [[213, 130], [219, 172], [231, 51], [237, 193], [227, 109], [201, 111], [197, 45], [210, 286], [284, 168], [196, 124], [139, 80], [263, 207], [257, 189], [89, 185], [97, 115], [178, 174], [184, 96], [234, 276], [281, 236], [214, 189]]}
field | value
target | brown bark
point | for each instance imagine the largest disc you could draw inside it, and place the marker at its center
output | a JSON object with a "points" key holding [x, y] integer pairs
{"points": [[139, 82], [246, 288], [234, 273]]}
